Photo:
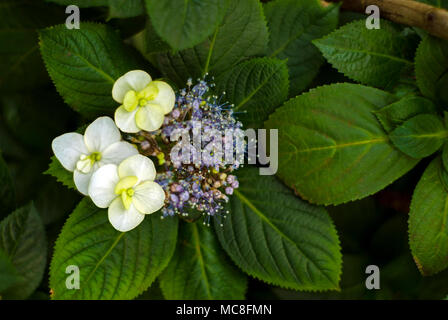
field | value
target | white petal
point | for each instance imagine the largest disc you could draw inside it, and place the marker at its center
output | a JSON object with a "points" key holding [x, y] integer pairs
{"points": [[82, 181], [148, 197], [139, 166], [117, 152], [102, 185], [149, 117], [68, 148], [125, 120], [100, 134], [166, 96], [124, 220], [133, 80]]}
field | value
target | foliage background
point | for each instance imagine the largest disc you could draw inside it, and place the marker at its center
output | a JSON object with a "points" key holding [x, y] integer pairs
{"points": [[371, 231]]}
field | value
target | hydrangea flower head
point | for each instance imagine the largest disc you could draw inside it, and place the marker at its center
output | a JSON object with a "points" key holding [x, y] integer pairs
{"points": [[144, 102], [128, 190], [202, 186], [83, 154]]}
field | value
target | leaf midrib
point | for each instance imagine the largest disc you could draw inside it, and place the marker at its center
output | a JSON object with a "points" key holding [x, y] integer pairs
{"points": [[197, 246], [344, 145], [371, 53], [103, 258], [440, 134], [250, 95]]}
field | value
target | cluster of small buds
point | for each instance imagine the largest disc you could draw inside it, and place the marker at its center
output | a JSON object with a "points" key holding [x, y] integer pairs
{"points": [[205, 185]]}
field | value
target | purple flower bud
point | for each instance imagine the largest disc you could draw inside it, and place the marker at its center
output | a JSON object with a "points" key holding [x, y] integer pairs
{"points": [[179, 188], [174, 198], [230, 178], [196, 186], [235, 184], [229, 190], [184, 196]]}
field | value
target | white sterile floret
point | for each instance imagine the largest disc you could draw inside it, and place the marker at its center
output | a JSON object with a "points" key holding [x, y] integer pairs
{"points": [[100, 145], [128, 190], [144, 102]]}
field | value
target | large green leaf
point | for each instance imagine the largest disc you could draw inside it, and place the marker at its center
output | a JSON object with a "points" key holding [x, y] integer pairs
{"points": [[200, 269], [7, 191], [84, 65], [293, 25], [428, 228], [375, 57], [431, 68], [194, 20], [22, 239], [21, 67], [332, 149], [420, 136], [255, 87], [112, 264], [241, 34], [278, 238]]}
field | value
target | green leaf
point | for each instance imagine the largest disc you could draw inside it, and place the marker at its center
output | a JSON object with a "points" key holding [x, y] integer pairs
{"points": [[420, 136], [278, 238], [8, 273], [60, 173], [374, 57], [293, 25], [332, 149], [200, 269], [397, 113], [184, 24], [22, 239], [428, 228], [241, 34], [112, 264], [7, 191], [256, 87], [84, 65], [21, 66], [431, 68]]}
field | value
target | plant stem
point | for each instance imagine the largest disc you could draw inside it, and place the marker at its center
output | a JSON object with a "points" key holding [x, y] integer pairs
{"points": [[411, 13]]}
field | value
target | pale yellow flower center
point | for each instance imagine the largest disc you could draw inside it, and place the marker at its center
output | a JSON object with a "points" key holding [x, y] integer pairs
{"points": [[124, 188], [134, 99], [86, 162]]}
